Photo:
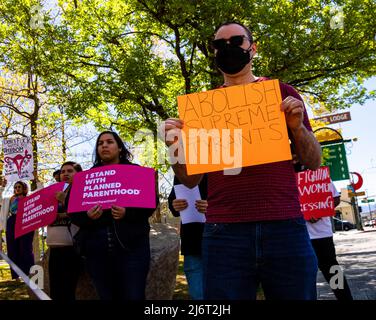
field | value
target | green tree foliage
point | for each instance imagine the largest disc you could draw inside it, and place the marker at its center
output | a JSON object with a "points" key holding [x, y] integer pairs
{"points": [[31, 82], [139, 55], [121, 63]]}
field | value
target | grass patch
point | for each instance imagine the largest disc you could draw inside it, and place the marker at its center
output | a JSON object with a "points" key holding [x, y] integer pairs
{"points": [[11, 289], [181, 287], [260, 294]]}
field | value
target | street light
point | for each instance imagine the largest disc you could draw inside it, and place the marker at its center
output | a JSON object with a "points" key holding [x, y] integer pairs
{"points": [[354, 201]]}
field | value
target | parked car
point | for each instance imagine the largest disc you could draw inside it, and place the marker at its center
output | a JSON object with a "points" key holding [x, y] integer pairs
{"points": [[340, 225], [370, 223]]}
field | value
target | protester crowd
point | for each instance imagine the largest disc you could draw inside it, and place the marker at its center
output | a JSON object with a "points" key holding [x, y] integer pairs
{"points": [[254, 234]]}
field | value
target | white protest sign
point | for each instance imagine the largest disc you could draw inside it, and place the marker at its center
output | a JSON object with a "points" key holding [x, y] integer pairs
{"points": [[190, 214], [18, 159]]}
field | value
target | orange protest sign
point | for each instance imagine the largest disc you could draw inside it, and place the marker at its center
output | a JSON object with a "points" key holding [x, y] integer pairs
{"points": [[233, 127]]}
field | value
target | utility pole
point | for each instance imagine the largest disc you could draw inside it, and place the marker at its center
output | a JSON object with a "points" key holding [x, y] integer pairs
{"points": [[369, 206], [358, 220]]}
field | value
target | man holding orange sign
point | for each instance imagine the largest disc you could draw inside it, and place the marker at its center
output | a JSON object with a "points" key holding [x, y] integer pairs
{"points": [[255, 232]]}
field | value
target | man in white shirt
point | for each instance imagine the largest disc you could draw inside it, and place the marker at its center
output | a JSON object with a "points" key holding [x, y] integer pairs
{"points": [[321, 234]]}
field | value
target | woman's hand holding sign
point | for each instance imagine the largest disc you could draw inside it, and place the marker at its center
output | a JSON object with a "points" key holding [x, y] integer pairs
{"points": [[95, 212], [118, 212], [60, 196]]}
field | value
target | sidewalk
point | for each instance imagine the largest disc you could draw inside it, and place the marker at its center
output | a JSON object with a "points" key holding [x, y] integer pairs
{"points": [[356, 253]]}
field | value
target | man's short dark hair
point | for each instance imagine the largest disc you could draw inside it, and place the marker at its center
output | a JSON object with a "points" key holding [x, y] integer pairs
{"points": [[247, 30]]}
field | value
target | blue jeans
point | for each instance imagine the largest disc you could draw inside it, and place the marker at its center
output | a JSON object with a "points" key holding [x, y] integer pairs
{"points": [[117, 273], [194, 274], [237, 257]]}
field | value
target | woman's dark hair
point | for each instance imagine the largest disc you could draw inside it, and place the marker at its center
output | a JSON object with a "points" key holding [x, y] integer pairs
{"points": [[125, 155], [56, 172], [25, 188], [249, 33], [76, 166]]}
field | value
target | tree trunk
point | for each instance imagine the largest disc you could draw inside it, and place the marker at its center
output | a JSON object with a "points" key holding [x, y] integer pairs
{"points": [[63, 140], [34, 127], [157, 216]]}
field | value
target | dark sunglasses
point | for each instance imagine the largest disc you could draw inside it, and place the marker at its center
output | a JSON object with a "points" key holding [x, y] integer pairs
{"points": [[234, 41]]}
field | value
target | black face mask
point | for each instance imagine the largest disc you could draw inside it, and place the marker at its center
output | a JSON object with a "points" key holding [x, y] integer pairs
{"points": [[232, 60]]}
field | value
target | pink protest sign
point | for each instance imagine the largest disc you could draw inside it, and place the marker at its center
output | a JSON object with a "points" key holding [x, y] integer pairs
{"points": [[118, 184], [315, 193], [37, 210]]}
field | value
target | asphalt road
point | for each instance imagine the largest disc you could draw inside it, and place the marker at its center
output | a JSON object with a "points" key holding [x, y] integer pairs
{"points": [[356, 253]]}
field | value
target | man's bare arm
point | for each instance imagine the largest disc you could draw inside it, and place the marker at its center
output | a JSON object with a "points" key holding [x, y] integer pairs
{"points": [[181, 172], [307, 147]]}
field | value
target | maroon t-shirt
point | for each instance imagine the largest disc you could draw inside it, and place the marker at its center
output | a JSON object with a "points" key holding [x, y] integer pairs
{"points": [[259, 193]]}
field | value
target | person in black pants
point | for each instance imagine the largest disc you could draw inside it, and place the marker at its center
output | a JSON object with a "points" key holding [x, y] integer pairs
{"points": [[19, 250], [115, 242], [64, 263], [191, 239], [321, 234]]}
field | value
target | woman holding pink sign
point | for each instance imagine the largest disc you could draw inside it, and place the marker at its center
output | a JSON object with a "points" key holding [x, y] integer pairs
{"points": [[115, 241], [19, 250], [64, 262]]}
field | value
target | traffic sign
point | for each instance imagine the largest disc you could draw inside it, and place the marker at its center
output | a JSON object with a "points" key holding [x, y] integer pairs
{"points": [[334, 118], [357, 194], [357, 185], [367, 200], [336, 160]]}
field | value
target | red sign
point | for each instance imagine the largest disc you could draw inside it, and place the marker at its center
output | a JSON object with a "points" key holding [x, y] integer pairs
{"points": [[315, 193], [118, 184], [335, 118], [37, 210], [359, 183]]}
